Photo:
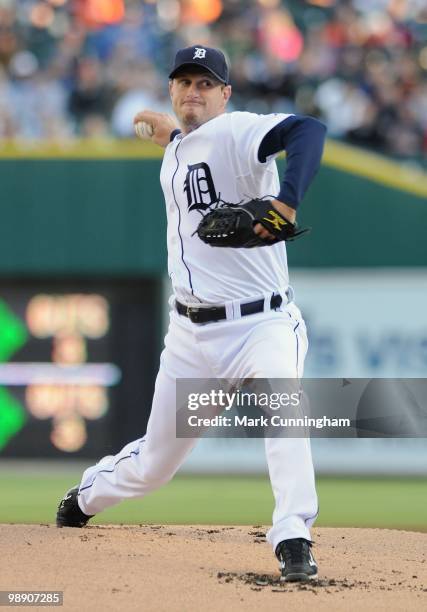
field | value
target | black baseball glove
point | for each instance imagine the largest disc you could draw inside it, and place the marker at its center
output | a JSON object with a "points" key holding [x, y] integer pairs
{"points": [[231, 225]]}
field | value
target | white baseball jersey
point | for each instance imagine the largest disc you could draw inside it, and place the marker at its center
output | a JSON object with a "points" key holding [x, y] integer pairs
{"points": [[219, 160]]}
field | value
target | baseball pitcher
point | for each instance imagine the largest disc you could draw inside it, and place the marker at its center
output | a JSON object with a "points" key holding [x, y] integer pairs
{"points": [[232, 310]]}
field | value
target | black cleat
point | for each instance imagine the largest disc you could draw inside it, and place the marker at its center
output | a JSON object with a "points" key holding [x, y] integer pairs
{"points": [[296, 560], [69, 513]]}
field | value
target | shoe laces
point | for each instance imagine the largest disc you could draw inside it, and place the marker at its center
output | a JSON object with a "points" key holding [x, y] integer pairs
{"points": [[295, 550]]}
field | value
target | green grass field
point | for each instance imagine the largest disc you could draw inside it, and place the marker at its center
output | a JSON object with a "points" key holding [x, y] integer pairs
{"points": [[387, 503]]}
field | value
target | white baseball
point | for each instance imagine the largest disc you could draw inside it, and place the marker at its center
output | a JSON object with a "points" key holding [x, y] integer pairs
{"points": [[144, 130]]}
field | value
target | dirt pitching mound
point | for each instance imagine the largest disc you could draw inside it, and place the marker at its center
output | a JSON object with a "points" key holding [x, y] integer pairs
{"points": [[184, 568]]}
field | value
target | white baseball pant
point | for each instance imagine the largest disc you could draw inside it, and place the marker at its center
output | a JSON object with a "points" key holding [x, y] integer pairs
{"points": [[271, 344]]}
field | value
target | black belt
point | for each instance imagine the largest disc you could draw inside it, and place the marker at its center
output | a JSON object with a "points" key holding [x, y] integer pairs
{"points": [[218, 313]]}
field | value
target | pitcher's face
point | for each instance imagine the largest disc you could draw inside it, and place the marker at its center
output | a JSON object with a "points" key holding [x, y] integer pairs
{"points": [[197, 98]]}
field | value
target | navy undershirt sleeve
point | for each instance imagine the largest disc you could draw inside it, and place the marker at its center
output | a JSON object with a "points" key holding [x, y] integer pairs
{"points": [[174, 133], [302, 138]]}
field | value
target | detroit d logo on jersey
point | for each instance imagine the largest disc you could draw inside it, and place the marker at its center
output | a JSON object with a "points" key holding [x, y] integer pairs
{"points": [[199, 187]]}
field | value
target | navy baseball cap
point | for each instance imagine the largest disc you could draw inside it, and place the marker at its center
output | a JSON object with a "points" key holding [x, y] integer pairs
{"points": [[210, 59]]}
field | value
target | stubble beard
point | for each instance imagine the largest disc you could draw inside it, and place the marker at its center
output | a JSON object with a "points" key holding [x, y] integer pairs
{"points": [[191, 122]]}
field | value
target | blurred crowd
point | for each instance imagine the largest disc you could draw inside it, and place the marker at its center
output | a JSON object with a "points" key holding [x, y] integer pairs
{"points": [[71, 68]]}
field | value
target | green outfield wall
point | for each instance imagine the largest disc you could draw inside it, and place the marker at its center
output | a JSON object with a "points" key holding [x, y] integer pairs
{"points": [[98, 210]]}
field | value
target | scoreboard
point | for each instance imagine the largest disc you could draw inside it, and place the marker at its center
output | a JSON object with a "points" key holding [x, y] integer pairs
{"points": [[77, 365]]}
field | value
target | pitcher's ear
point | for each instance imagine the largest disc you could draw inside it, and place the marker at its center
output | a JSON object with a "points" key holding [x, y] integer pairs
{"points": [[227, 92]]}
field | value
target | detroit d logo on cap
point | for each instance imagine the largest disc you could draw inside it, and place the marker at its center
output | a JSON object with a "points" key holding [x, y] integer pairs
{"points": [[199, 53]]}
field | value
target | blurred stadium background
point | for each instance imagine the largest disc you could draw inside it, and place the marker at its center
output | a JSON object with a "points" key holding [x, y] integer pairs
{"points": [[82, 252]]}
